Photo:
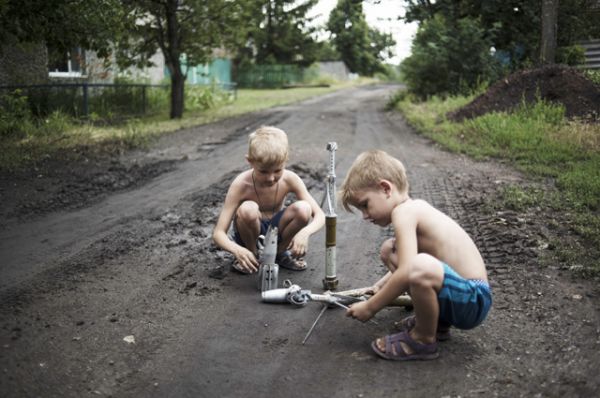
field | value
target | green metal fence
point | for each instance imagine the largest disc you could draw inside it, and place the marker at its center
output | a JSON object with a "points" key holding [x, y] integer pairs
{"points": [[218, 71], [85, 99], [104, 101], [272, 76]]}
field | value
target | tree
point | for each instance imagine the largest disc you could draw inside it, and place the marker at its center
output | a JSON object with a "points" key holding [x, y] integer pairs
{"points": [[327, 52], [448, 58], [361, 48], [279, 32], [577, 20], [548, 45], [179, 28], [512, 22], [62, 24]]}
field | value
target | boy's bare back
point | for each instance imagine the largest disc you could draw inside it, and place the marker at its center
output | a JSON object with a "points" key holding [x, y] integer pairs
{"points": [[438, 235]]}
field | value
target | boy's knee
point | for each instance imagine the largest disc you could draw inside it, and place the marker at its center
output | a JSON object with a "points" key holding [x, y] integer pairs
{"points": [[386, 251], [424, 270], [248, 211], [301, 211]]}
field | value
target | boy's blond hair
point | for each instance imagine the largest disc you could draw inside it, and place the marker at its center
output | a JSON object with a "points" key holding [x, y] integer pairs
{"points": [[367, 171], [268, 146]]}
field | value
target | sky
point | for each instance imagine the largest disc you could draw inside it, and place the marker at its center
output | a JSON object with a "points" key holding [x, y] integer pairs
{"points": [[382, 16]]}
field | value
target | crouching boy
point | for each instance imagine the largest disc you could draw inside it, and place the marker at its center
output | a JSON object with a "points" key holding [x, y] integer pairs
{"points": [[255, 200], [431, 258]]}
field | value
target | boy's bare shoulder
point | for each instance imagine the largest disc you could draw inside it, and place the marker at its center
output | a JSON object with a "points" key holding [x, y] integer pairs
{"points": [[414, 206], [416, 212], [243, 177], [241, 182], [291, 178], [290, 173]]}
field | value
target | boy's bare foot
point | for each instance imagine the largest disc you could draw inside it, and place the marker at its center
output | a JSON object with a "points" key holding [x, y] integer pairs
{"points": [[287, 261]]}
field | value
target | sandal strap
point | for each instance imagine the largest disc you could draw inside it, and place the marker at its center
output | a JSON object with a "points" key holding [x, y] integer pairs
{"points": [[286, 260], [395, 340]]}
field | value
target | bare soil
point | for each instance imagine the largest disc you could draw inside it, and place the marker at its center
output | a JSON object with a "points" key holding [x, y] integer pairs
{"points": [[110, 284], [557, 84]]}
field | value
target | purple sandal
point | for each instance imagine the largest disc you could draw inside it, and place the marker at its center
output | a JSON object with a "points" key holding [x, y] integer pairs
{"points": [[395, 351]]}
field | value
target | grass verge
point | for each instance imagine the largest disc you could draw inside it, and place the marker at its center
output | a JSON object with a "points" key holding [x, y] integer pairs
{"points": [[56, 134], [539, 141]]}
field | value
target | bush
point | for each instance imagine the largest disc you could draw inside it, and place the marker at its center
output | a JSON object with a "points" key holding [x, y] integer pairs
{"points": [[571, 55], [55, 124], [593, 75], [449, 58], [204, 97], [15, 115]]}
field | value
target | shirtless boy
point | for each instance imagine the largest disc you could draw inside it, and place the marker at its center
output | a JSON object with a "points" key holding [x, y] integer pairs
{"points": [[255, 200], [431, 258]]}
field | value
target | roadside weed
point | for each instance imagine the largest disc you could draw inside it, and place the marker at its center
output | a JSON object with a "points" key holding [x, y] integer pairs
{"points": [[25, 139], [538, 140], [516, 198]]}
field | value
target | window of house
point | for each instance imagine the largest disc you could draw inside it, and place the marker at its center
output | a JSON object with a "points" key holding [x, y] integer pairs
{"points": [[66, 64]]}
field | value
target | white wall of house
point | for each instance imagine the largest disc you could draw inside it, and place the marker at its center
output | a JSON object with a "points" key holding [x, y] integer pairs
{"points": [[152, 74], [335, 69]]}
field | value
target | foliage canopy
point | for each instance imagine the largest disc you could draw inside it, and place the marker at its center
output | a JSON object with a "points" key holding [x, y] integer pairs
{"points": [[362, 48], [62, 24], [278, 32], [515, 23], [449, 58], [194, 28]]}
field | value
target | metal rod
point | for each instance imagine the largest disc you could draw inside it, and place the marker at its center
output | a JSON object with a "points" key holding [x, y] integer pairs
{"points": [[314, 324], [347, 308]]}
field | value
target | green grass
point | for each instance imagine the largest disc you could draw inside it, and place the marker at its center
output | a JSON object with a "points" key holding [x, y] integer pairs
{"points": [[38, 139], [540, 142]]}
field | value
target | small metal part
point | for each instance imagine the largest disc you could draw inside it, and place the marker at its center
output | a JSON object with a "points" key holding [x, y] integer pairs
{"points": [[268, 275], [275, 295], [268, 270], [330, 283], [290, 293], [332, 299], [269, 251]]}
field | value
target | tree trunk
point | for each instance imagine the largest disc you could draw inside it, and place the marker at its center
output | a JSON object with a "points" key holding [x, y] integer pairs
{"points": [[177, 91], [548, 44], [173, 59]]}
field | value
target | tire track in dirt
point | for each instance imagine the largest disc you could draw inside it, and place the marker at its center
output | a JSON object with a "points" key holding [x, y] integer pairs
{"points": [[175, 246], [511, 249], [532, 322], [199, 329]]}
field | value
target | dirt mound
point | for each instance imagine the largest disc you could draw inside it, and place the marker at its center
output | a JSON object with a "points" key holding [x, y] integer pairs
{"points": [[554, 83]]}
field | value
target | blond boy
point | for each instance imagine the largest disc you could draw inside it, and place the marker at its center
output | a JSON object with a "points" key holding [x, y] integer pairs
{"points": [[255, 200], [431, 257]]}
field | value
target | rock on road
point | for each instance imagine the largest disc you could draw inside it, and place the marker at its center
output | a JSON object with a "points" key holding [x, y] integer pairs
{"points": [[77, 284]]}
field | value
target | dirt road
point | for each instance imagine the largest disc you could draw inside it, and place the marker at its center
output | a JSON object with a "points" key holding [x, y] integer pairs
{"points": [[95, 252]]}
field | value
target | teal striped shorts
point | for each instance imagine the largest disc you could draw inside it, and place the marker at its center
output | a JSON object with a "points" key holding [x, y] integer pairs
{"points": [[464, 303]]}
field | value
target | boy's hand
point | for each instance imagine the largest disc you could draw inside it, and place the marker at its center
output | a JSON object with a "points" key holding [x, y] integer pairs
{"points": [[299, 244], [373, 289], [360, 311], [247, 259]]}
